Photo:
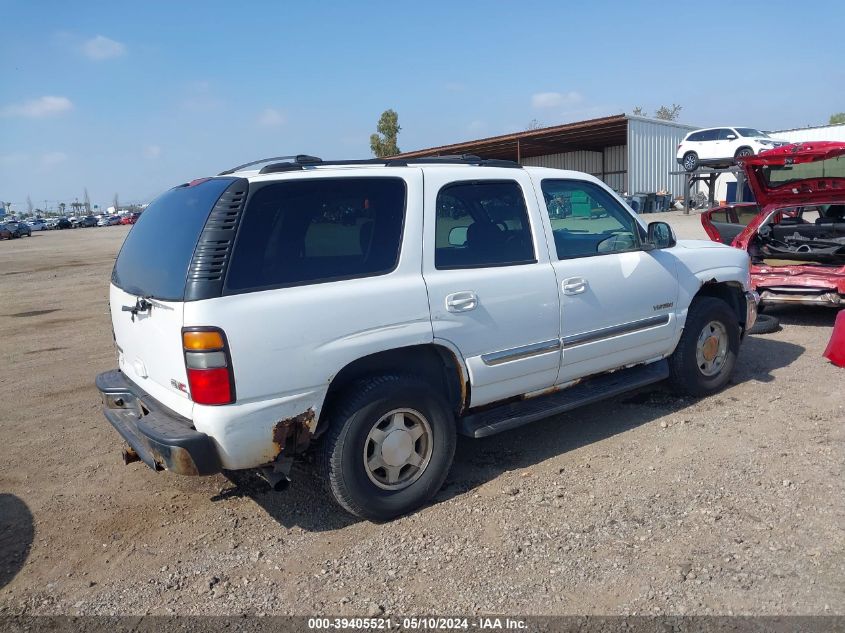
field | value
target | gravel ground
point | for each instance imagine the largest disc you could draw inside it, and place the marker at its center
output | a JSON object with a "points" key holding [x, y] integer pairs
{"points": [[647, 503]]}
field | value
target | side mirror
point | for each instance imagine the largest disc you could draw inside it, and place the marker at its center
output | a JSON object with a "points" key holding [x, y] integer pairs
{"points": [[661, 235], [731, 137], [458, 236]]}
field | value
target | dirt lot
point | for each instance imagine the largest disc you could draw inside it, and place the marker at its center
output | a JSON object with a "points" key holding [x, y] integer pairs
{"points": [[644, 504]]}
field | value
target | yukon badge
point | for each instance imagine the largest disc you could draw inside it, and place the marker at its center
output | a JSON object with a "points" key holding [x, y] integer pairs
{"points": [[663, 306]]}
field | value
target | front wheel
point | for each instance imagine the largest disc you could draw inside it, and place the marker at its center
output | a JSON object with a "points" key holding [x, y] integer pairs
{"points": [[389, 447], [706, 354], [744, 152]]}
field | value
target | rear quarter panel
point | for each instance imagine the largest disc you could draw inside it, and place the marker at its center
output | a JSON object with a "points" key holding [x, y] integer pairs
{"points": [[288, 344]]}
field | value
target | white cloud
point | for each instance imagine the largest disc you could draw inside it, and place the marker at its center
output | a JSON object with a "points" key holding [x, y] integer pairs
{"points": [[38, 108], [152, 151], [101, 47], [542, 100], [477, 126], [270, 117], [53, 158]]}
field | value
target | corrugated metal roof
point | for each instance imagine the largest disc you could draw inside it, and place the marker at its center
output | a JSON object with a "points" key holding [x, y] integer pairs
{"points": [[593, 134]]}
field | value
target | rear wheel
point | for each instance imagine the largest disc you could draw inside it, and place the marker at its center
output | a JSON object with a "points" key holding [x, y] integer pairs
{"points": [[389, 448], [690, 161], [706, 354]]}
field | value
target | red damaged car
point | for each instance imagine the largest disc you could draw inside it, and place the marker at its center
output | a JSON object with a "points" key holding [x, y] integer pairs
{"points": [[795, 233]]}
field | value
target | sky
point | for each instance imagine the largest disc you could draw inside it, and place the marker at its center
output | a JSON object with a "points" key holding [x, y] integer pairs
{"points": [[133, 98]]}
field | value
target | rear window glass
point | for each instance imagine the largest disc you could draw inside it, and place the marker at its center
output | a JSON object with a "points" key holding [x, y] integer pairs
{"points": [[778, 175], [157, 252], [315, 231]]}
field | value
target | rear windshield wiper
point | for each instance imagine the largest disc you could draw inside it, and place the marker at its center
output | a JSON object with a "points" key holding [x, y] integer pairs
{"points": [[141, 305]]}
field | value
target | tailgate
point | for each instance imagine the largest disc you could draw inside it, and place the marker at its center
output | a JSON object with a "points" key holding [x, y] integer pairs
{"points": [[150, 348]]}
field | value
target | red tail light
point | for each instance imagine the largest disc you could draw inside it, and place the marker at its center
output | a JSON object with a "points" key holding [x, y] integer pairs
{"points": [[210, 386], [209, 366]]}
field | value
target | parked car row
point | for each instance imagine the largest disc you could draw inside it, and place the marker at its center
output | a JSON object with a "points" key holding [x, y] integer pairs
{"points": [[73, 222], [13, 229]]}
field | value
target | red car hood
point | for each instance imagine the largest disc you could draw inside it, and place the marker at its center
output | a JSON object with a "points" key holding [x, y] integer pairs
{"points": [[827, 187]]}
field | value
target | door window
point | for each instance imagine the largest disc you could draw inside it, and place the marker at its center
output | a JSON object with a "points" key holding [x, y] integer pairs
{"points": [[724, 133], [586, 220], [480, 224]]}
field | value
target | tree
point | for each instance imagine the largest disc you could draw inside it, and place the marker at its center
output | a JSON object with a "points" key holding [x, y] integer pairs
{"points": [[116, 204], [62, 206], [836, 119], [28, 204], [86, 200], [534, 124], [383, 143], [667, 113]]}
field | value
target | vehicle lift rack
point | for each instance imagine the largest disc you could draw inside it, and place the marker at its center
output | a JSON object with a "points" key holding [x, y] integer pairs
{"points": [[709, 176]]}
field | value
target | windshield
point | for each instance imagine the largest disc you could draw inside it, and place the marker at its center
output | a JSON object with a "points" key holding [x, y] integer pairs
{"points": [[779, 175], [155, 257], [751, 132]]}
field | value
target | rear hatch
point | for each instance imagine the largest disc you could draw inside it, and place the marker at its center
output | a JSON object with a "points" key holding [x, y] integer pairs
{"points": [[797, 173], [148, 290]]}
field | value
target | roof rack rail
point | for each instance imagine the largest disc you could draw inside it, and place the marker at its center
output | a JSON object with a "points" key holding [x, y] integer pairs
{"points": [[299, 159], [452, 159]]}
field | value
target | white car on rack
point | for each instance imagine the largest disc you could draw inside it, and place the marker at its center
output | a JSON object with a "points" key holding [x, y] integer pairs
{"points": [[372, 310], [722, 146]]}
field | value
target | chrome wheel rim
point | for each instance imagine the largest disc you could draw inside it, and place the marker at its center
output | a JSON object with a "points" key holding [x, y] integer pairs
{"points": [[711, 349], [398, 449]]}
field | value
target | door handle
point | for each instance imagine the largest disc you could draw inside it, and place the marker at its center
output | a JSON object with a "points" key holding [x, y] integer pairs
{"points": [[461, 301], [574, 285]]}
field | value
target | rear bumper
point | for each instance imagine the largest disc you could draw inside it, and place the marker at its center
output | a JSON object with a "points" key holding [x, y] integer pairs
{"points": [[801, 296], [162, 439]]}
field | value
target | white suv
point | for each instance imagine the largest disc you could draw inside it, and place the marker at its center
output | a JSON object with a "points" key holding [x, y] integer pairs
{"points": [[375, 309], [722, 146]]}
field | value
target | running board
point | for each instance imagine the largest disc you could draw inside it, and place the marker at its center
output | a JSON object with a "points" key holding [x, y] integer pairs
{"points": [[515, 414]]}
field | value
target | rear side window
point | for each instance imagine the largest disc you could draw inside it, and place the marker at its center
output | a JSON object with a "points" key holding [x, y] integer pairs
{"points": [[481, 224], [314, 231], [155, 257], [695, 136]]}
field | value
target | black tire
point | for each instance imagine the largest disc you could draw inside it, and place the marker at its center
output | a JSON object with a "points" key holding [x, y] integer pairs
{"points": [[690, 161], [742, 152], [765, 324], [685, 375], [354, 415]]}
